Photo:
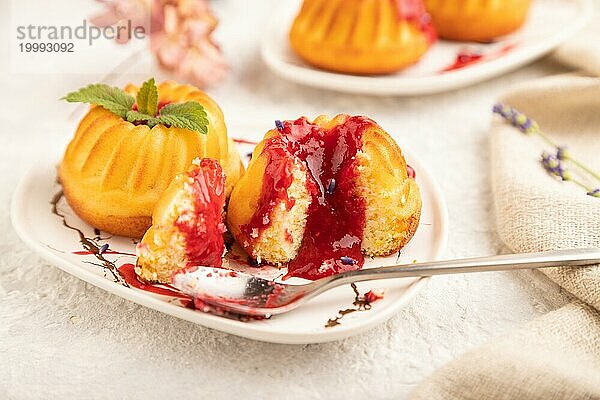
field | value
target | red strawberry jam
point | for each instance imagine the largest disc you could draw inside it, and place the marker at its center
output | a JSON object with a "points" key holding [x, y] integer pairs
{"points": [[464, 59], [336, 217], [414, 11], [202, 226]]}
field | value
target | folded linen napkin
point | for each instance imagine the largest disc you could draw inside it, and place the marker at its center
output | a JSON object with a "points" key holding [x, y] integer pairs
{"points": [[558, 355]]}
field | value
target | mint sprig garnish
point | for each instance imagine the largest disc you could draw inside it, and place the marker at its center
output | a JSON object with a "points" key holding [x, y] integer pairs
{"points": [[113, 99], [189, 115], [136, 116], [147, 98]]}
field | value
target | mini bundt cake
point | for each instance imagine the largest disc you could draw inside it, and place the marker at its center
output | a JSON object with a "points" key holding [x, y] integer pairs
{"points": [[318, 195], [477, 20], [362, 36], [114, 171], [187, 225]]}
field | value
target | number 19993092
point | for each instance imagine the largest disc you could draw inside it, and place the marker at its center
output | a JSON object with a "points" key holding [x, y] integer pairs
{"points": [[35, 47]]}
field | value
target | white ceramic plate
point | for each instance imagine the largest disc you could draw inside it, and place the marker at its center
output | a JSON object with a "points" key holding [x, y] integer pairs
{"points": [[550, 23], [44, 232]]}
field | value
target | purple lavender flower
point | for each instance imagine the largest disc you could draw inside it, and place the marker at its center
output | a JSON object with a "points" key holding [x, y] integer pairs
{"points": [[594, 193], [549, 161], [554, 166], [347, 260], [103, 249], [331, 186], [501, 109], [279, 125], [562, 153], [516, 118]]}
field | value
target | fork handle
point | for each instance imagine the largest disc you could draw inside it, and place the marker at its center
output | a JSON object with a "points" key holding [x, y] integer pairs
{"points": [[571, 258]]}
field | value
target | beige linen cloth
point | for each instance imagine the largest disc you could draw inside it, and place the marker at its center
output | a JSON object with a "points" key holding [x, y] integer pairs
{"points": [[556, 356]]}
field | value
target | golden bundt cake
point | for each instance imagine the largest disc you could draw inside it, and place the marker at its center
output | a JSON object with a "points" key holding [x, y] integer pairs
{"points": [[477, 20], [362, 36], [114, 171], [187, 225], [318, 195]]}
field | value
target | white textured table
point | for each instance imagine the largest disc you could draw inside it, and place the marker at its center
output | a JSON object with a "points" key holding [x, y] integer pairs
{"points": [[60, 337]]}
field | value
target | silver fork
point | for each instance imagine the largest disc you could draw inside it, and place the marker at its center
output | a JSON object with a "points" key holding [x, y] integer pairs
{"points": [[246, 294]]}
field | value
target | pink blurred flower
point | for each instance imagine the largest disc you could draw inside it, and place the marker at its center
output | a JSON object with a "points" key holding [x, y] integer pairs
{"points": [[180, 35], [119, 12]]}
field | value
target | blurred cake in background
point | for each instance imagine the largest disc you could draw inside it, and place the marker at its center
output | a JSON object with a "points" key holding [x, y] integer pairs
{"points": [[477, 20], [362, 36]]}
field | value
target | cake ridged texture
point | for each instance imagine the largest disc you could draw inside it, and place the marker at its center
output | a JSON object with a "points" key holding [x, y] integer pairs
{"points": [[477, 20], [358, 36], [392, 200], [166, 248], [113, 172]]}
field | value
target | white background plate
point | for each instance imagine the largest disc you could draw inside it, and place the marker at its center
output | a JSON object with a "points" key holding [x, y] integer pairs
{"points": [[550, 23], [43, 232]]}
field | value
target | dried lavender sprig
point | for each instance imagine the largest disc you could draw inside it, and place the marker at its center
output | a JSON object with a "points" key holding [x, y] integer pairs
{"points": [[516, 118], [529, 126], [563, 154], [555, 167], [521, 121]]}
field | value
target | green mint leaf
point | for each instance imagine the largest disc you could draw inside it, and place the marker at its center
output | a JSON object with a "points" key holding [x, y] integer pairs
{"points": [[113, 99], [189, 115], [147, 98], [136, 116]]}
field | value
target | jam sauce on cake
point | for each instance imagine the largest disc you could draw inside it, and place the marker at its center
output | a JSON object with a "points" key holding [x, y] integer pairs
{"points": [[319, 195], [414, 11], [187, 225], [336, 216]]}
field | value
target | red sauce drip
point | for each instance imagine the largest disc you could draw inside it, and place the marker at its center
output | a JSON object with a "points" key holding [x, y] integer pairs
{"points": [[414, 11], [203, 226], [371, 296], [410, 171], [128, 273], [336, 216], [277, 179], [463, 59], [467, 57], [245, 141]]}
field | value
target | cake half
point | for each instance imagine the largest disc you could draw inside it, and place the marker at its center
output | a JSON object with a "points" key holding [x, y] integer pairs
{"points": [[187, 224], [319, 195]]}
